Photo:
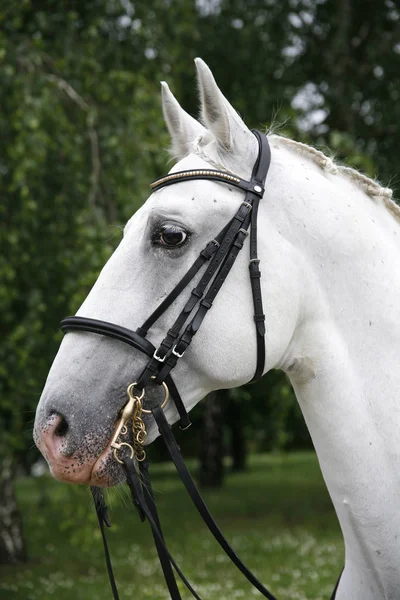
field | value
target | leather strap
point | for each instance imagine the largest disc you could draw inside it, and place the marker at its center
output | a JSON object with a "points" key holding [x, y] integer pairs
{"points": [[110, 330], [198, 501], [254, 191], [205, 255], [101, 511], [163, 555], [206, 302], [214, 175], [222, 252], [166, 348], [261, 170], [151, 514]]}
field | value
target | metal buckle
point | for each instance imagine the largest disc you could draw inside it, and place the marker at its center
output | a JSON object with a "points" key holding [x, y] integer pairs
{"points": [[177, 353], [244, 231], [159, 358], [184, 428]]}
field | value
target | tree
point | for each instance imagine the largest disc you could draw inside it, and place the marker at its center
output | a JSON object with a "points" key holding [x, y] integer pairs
{"points": [[75, 154], [211, 470], [351, 54]]}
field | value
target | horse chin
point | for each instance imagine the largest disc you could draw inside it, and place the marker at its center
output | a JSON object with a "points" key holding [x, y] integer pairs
{"points": [[84, 467], [103, 472], [106, 471]]}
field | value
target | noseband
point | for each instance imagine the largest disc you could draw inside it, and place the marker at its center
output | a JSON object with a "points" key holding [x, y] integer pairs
{"points": [[218, 256]]}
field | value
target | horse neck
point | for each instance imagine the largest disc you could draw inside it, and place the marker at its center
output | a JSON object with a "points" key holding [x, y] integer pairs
{"points": [[343, 364]]}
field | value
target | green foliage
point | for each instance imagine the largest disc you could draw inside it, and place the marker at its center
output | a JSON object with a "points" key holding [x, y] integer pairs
{"points": [[278, 517], [81, 133], [76, 160]]}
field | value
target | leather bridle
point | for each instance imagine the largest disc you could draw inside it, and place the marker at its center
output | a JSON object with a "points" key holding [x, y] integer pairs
{"points": [[218, 257]]}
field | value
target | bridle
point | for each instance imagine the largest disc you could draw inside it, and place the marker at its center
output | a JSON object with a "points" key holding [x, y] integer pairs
{"points": [[218, 257]]}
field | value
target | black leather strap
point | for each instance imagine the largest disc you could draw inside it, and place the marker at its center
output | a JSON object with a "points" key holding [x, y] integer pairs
{"points": [[259, 174], [137, 495], [101, 511], [222, 255], [205, 302], [158, 364], [184, 419], [163, 555], [110, 330], [143, 499], [205, 255], [228, 251], [198, 501], [254, 191], [166, 560]]}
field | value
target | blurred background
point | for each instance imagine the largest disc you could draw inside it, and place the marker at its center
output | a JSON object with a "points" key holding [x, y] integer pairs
{"points": [[82, 135]]}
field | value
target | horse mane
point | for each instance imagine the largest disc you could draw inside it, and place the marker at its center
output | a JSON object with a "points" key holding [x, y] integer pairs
{"points": [[370, 186]]}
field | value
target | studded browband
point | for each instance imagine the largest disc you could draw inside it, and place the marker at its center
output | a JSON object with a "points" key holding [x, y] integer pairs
{"points": [[211, 174]]}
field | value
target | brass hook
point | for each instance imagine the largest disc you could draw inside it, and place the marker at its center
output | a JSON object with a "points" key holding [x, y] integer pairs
{"points": [[126, 415], [134, 409]]}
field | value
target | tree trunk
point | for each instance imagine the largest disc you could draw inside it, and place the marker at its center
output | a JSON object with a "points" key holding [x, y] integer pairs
{"points": [[211, 444], [235, 422], [12, 544], [238, 447]]}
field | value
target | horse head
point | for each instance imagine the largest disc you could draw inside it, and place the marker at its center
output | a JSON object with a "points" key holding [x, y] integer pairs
{"points": [[86, 387]]}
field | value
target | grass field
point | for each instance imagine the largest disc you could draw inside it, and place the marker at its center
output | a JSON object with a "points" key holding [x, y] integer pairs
{"points": [[278, 516]]}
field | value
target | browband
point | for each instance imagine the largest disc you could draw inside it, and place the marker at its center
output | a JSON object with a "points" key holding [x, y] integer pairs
{"points": [[213, 175]]}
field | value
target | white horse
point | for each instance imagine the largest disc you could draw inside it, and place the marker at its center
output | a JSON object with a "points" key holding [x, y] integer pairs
{"points": [[329, 244]]}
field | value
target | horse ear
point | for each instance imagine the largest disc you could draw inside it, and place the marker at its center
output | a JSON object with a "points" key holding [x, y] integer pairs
{"points": [[219, 116], [182, 127]]}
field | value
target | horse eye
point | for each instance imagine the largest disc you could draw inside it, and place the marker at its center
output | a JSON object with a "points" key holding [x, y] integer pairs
{"points": [[171, 236]]}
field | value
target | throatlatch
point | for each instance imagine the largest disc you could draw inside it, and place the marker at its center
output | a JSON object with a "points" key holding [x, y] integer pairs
{"points": [[218, 257]]}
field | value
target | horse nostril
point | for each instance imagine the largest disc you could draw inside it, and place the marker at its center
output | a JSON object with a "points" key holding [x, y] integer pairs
{"points": [[62, 427]]}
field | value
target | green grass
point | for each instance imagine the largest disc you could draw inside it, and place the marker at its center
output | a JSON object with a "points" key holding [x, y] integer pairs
{"points": [[278, 517]]}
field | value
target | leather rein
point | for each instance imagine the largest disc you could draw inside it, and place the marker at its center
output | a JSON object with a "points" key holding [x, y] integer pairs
{"points": [[218, 257]]}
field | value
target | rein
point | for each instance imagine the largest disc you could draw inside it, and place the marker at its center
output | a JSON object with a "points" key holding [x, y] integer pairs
{"points": [[219, 255]]}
